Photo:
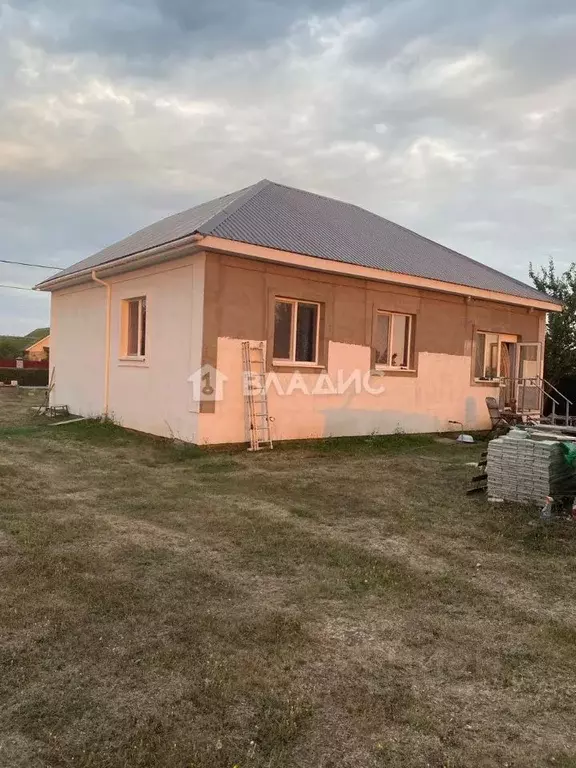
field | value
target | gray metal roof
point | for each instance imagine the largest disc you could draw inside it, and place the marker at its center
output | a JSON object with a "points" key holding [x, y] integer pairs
{"points": [[162, 232], [273, 215]]}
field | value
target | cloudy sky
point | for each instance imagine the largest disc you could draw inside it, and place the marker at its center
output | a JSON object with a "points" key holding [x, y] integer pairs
{"points": [[455, 118]]}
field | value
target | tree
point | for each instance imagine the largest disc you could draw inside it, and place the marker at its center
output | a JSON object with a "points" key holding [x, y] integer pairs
{"points": [[560, 356], [12, 346]]}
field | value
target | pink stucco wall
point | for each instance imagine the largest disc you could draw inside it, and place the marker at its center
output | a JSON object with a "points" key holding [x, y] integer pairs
{"points": [[200, 309], [441, 392], [151, 395]]}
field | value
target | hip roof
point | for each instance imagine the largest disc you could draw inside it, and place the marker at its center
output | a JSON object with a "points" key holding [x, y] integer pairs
{"points": [[288, 219]]}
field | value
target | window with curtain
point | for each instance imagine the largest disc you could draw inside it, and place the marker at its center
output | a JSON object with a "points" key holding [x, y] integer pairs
{"points": [[134, 327], [393, 340]]}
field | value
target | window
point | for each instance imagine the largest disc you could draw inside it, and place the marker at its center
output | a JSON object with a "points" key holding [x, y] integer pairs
{"points": [[495, 356], [296, 327], [393, 340], [134, 318]]}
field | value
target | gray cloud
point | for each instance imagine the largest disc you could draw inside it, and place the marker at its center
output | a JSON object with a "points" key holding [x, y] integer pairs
{"points": [[451, 118], [147, 36]]}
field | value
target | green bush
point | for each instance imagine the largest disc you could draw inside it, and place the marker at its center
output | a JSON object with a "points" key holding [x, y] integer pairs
{"points": [[26, 377]]}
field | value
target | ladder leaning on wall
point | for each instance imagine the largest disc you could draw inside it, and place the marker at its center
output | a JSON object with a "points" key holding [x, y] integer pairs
{"points": [[255, 395]]}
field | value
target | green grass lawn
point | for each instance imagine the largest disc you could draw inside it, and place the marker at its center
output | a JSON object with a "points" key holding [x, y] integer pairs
{"points": [[335, 605]]}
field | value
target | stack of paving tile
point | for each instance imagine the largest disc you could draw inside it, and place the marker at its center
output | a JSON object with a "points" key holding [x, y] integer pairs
{"points": [[524, 469]]}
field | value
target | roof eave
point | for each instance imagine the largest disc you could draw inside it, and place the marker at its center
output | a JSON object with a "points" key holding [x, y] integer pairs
{"points": [[172, 250], [36, 343], [196, 242], [288, 258]]}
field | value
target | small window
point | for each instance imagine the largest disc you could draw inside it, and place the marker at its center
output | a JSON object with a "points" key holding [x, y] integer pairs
{"points": [[135, 327], [296, 326], [393, 340]]}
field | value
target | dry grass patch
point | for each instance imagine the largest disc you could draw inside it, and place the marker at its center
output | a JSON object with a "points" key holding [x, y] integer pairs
{"points": [[340, 605]]}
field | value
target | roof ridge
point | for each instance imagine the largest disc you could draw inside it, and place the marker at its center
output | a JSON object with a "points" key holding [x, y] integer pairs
{"points": [[175, 215], [416, 234], [242, 195], [463, 256], [316, 194], [237, 203]]}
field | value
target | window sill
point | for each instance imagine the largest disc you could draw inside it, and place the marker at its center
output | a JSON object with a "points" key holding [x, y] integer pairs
{"points": [[379, 367], [136, 362], [487, 382], [381, 371], [295, 364], [291, 367]]}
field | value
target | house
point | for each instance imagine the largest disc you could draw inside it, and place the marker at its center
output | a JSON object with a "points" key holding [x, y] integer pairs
{"points": [[366, 326], [38, 350]]}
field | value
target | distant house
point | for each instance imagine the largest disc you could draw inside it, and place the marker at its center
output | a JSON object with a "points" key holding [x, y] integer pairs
{"points": [[39, 350], [12, 347], [332, 291]]}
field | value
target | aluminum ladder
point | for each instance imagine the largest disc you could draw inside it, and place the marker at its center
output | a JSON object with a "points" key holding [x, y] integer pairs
{"points": [[255, 395]]}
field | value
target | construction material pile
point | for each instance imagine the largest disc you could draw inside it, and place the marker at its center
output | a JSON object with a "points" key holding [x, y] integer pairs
{"points": [[523, 468]]}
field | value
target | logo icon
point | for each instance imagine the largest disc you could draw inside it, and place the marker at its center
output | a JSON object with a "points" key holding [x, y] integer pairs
{"points": [[207, 384]]}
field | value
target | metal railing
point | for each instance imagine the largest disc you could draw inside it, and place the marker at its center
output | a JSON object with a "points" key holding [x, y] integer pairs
{"points": [[567, 403], [522, 391]]}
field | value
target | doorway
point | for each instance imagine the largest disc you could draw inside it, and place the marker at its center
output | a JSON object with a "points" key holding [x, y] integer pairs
{"points": [[520, 371], [529, 373]]}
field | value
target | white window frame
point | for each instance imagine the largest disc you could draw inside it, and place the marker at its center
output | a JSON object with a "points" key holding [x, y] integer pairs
{"points": [[502, 337], [388, 366], [292, 361], [142, 333]]}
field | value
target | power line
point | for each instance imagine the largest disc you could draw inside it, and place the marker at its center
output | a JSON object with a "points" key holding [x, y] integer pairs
{"points": [[17, 287], [27, 264]]}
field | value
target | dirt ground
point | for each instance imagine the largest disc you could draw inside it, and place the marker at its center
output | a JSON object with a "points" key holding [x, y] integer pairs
{"points": [[330, 606]]}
